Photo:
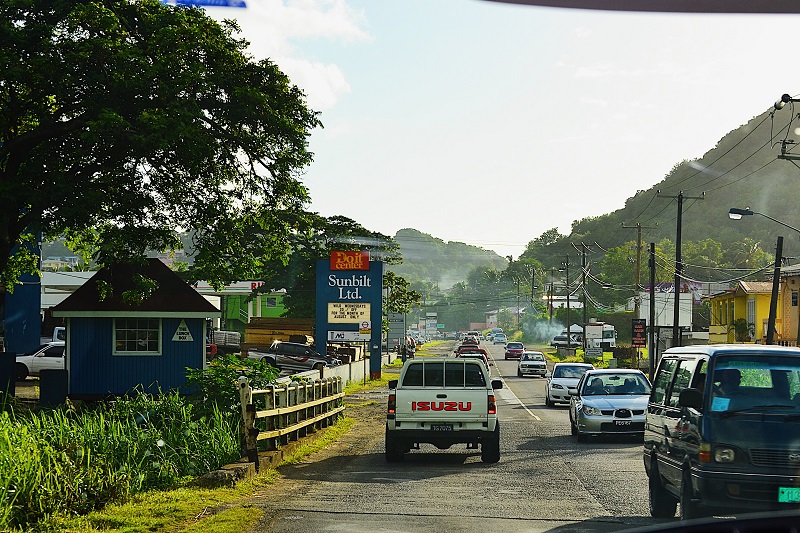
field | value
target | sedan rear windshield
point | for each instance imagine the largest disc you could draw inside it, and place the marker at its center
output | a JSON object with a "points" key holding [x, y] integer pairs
{"points": [[514, 345], [569, 371]]}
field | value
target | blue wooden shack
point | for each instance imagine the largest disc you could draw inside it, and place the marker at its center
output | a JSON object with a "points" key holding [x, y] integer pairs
{"points": [[116, 345]]}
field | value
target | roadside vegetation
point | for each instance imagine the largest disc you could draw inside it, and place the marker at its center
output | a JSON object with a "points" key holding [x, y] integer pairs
{"points": [[132, 465]]}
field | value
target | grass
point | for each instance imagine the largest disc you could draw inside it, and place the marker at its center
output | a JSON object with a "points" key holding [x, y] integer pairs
{"points": [[190, 509]]}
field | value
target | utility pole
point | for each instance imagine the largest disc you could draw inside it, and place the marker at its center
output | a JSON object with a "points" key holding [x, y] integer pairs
{"points": [[638, 273], [550, 292], [583, 287], [773, 303], [677, 337], [651, 352]]}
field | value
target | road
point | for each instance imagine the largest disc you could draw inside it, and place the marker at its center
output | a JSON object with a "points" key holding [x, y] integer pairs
{"points": [[545, 480]]}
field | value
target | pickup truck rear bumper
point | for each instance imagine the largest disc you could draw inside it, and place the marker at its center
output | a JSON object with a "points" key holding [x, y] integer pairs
{"points": [[442, 439]]}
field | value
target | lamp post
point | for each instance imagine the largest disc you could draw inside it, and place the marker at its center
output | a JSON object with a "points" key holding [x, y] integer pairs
{"points": [[736, 214]]}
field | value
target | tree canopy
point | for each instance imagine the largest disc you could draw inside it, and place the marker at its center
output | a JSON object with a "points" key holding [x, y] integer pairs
{"points": [[124, 123]]}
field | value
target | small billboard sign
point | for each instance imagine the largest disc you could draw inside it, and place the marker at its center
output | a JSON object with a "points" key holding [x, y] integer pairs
{"points": [[639, 332], [353, 260]]}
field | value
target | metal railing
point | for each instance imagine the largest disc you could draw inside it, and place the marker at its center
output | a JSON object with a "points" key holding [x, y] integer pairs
{"points": [[286, 412]]}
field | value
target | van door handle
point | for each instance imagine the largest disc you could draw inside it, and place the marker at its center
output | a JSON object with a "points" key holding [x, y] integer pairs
{"points": [[441, 395]]}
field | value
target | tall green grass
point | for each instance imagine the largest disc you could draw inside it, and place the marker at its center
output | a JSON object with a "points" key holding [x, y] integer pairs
{"points": [[72, 461]]}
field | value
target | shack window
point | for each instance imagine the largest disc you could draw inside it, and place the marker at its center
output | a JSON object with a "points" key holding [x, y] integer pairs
{"points": [[137, 336]]}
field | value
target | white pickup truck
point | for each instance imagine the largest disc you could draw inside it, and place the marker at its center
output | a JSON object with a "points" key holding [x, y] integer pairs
{"points": [[443, 401]]}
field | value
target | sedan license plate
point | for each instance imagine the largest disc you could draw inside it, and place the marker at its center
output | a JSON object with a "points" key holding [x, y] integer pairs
{"points": [[789, 494], [622, 422], [441, 427]]}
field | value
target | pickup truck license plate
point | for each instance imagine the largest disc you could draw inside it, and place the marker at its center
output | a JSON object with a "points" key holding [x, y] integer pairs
{"points": [[622, 422], [789, 494], [441, 427]]}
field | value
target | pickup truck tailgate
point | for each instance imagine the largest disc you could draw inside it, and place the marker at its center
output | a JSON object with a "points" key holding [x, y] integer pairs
{"points": [[452, 405]]}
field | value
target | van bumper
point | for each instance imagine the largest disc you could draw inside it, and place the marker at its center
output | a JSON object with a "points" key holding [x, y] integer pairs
{"points": [[743, 492]]}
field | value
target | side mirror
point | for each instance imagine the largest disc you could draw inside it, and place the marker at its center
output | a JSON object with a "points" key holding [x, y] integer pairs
{"points": [[573, 392], [691, 397], [497, 384], [392, 383]]}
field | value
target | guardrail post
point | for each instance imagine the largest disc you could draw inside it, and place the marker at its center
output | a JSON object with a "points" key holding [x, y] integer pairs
{"points": [[249, 431]]}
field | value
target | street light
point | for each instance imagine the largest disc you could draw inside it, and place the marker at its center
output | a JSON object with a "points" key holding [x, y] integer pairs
{"points": [[734, 213]]}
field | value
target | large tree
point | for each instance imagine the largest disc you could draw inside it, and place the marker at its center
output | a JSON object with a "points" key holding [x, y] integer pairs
{"points": [[125, 122]]}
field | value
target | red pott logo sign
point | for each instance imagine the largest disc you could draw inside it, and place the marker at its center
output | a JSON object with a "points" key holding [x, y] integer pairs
{"points": [[349, 260]]}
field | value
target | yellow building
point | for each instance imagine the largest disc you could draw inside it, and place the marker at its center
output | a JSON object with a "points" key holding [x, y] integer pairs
{"points": [[788, 304], [748, 303]]}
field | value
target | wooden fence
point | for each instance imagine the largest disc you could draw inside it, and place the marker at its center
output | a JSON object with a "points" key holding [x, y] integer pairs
{"points": [[285, 412]]}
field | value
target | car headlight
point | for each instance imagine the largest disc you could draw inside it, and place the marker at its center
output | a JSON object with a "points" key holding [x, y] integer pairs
{"points": [[724, 455], [591, 411]]}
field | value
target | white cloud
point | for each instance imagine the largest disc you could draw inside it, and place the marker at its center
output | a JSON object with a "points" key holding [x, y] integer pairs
{"points": [[323, 84]]}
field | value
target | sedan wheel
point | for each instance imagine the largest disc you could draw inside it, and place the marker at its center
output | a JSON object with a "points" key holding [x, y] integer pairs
{"points": [[21, 371], [547, 401]]}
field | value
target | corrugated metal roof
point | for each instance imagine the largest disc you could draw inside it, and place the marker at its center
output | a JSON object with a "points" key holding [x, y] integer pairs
{"points": [[172, 295], [755, 286]]}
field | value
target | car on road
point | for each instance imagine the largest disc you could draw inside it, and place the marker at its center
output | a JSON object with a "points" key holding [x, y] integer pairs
{"points": [[49, 355], [292, 356], [514, 350], [470, 348], [561, 380], [532, 364], [609, 401], [500, 338], [475, 355]]}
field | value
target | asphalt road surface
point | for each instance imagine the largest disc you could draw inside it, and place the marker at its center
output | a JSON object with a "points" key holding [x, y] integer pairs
{"points": [[545, 480]]}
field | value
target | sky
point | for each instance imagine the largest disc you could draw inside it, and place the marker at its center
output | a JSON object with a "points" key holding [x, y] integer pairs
{"points": [[490, 123]]}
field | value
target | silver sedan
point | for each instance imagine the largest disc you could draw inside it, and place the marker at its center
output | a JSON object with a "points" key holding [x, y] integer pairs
{"points": [[609, 401]]}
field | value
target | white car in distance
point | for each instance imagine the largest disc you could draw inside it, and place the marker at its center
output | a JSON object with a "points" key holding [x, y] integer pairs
{"points": [[561, 380]]}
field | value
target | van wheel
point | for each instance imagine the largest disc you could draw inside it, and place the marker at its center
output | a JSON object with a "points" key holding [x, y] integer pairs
{"points": [[662, 503], [690, 508], [490, 446]]}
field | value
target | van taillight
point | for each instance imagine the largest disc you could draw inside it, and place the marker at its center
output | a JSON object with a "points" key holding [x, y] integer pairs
{"points": [[392, 407], [492, 405]]}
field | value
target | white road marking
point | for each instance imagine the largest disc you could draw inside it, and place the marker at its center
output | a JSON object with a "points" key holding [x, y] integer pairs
{"points": [[509, 396]]}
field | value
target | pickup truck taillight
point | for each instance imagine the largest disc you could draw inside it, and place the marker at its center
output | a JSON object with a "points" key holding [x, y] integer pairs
{"points": [[392, 407], [492, 405]]}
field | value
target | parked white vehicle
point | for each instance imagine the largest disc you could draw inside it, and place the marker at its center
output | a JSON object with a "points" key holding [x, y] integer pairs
{"points": [[48, 356]]}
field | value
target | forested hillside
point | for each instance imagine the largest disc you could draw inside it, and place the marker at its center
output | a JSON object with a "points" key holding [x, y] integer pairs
{"points": [[442, 264]]}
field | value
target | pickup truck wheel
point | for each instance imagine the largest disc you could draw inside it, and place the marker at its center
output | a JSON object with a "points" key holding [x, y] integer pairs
{"points": [[662, 503], [490, 446], [393, 448], [21, 371]]}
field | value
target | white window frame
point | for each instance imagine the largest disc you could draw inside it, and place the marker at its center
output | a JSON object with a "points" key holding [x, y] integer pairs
{"points": [[751, 315], [140, 353]]}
